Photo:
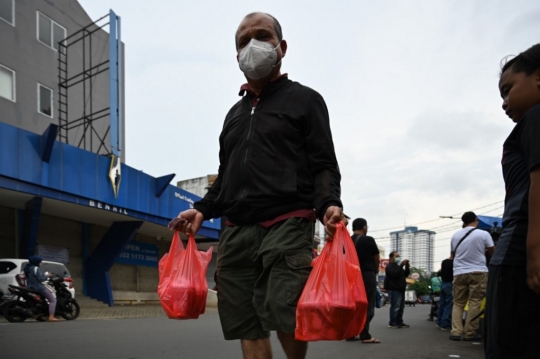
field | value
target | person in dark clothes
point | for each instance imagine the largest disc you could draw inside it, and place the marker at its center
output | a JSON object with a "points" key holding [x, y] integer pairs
{"points": [[369, 258], [395, 284], [444, 316], [277, 175], [512, 316]]}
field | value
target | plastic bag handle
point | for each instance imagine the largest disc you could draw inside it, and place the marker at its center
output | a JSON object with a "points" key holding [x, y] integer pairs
{"points": [[348, 245]]}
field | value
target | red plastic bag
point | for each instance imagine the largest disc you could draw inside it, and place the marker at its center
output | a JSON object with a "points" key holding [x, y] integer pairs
{"points": [[182, 287], [333, 304]]}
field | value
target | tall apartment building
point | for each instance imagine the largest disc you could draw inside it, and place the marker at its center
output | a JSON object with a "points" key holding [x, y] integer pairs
{"points": [[415, 245]]}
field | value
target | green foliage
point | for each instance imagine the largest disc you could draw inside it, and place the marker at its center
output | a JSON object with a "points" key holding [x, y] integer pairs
{"points": [[424, 277], [420, 287]]}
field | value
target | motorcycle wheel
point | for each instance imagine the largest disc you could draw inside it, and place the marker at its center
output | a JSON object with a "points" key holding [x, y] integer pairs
{"points": [[70, 309], [13, 312]]}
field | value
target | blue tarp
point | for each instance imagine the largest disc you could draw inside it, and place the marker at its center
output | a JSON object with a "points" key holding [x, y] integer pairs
{"points": [[487, 222]]}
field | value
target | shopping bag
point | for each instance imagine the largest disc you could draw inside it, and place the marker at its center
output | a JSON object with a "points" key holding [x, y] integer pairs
{"points": [[333, 304], [182, 287]]}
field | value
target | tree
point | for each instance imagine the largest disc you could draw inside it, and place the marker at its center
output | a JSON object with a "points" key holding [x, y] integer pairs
{"points": [[421, 286]]}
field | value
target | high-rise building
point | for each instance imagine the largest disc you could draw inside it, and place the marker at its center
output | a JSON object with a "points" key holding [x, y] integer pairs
{"points": [[415, 245]]}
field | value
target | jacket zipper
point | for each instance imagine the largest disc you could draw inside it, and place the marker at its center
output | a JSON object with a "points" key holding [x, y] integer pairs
{"points": [[246, 155]]}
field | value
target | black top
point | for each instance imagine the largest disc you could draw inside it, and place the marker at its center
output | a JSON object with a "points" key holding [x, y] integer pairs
{"points": [[521, 153], [395, 277], [275, 157], [366, 248], [447, 270]]}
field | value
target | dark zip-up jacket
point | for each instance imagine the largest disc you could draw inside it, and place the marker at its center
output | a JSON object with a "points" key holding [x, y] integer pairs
{"points": [[395, 277], [275, 157]]}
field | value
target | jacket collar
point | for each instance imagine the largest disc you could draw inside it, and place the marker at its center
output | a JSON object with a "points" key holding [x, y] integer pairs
{"points": [[272, 86]]}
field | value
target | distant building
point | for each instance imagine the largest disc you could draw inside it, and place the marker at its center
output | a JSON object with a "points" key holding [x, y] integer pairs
{"points": [[415, 245], [199, 185]]}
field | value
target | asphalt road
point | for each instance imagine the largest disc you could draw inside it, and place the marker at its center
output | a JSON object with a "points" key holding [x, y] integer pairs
{"points": [[159, 337]]}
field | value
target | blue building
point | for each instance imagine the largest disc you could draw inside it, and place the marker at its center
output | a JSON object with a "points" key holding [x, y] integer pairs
{"points": [[65, 191]]}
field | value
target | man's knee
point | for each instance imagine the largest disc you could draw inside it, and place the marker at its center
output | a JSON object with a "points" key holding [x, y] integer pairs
{"points": [[256, 348]]}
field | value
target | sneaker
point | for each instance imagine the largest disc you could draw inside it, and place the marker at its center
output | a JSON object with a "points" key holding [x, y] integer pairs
{"points": [[393, 326], [437, 325], [455, 338], [443, 328], [403, 325]]}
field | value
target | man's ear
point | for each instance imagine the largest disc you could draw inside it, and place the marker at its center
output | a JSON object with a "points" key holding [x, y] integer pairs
{"points": [[537, 77], [283, 47]]}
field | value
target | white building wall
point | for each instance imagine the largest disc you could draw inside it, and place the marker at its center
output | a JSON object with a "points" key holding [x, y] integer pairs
{"points": [[416, 246]]}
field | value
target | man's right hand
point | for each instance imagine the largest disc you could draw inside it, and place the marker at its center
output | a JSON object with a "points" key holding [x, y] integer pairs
{"points": [[188, 221]]}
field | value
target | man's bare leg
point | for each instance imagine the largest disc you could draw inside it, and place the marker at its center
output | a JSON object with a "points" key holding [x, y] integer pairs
{"points": [[294, 349], [257, 349]]}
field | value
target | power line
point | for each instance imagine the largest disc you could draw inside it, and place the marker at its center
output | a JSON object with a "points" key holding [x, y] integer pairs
{"points": [[438, 219]]}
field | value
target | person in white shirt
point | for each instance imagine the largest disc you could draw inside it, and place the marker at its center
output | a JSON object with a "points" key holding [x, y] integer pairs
{"points": [[469, 247]]}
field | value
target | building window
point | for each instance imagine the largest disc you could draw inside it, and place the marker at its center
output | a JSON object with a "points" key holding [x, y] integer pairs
{"points": [[7, 83], [49, 32], [7, 11], [45, 100]]}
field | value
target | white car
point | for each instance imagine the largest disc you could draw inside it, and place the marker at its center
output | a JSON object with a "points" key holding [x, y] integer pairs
{"points": [[10, 267]]}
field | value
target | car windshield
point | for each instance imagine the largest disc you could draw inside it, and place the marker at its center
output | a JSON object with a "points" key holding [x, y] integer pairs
{"points": [[56, 268]]}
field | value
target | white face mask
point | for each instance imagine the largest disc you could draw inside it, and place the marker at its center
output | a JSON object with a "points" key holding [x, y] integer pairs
{"points": [[398, 260], [257, 59]]}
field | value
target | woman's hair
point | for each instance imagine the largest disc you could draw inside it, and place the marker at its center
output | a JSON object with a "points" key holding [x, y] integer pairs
{"points": [[528, 61]]}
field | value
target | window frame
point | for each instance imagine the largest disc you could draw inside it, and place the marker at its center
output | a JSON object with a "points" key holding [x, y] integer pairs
{"points": [[51, 34], [13, 85], [12, 14], [39, 100]]}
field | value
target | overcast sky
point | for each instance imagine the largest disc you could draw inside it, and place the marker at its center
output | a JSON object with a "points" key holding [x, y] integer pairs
{"points": [[411, 87]]}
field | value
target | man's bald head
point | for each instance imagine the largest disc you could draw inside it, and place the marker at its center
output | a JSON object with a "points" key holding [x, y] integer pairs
{"points": [[277, 25]]}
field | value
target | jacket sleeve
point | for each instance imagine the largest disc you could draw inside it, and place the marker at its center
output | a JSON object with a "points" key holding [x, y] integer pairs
{"points": [[39, 274], [207, 204], [407, 271], [321, 156]]}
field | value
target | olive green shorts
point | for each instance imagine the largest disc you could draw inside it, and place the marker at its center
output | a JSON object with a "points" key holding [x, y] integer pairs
{"points": [[261, 273]]}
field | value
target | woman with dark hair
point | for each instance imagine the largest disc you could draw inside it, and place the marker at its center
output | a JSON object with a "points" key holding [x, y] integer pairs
{"points": [[512, 320], [34, 277]]}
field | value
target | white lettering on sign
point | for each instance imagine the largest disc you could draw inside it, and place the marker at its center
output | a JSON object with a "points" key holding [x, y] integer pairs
{"points": [[184, 198], [107, 207]]}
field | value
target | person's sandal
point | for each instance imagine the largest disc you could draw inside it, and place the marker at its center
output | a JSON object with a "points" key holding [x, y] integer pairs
{"points": [[371, 341]]}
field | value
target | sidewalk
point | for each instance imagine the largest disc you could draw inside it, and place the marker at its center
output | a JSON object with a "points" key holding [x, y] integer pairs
{"points": [[116, 312], [92, 309]]}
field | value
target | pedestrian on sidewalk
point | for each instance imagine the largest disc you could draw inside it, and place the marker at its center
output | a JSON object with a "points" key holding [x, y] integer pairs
{"points": [[395, 284], [444, 316], [469, 246], [278, 173], [369, 258]]}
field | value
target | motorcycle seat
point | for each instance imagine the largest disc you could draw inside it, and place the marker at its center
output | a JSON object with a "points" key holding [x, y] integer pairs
{"points": [[23, 289]]}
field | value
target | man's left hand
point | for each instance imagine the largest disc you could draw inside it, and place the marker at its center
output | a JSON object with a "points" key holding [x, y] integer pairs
{"points": [[332, 217]]}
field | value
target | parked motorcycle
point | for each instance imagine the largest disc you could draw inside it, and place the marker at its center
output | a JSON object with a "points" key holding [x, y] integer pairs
{"points": [[26, 303]]}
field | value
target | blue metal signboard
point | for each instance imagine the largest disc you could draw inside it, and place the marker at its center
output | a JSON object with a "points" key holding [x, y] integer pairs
{"points": [[139, 254]]}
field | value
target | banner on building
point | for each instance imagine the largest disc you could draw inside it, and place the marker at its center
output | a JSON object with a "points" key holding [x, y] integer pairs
{"points": [[139, 254], [53, 254]]}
